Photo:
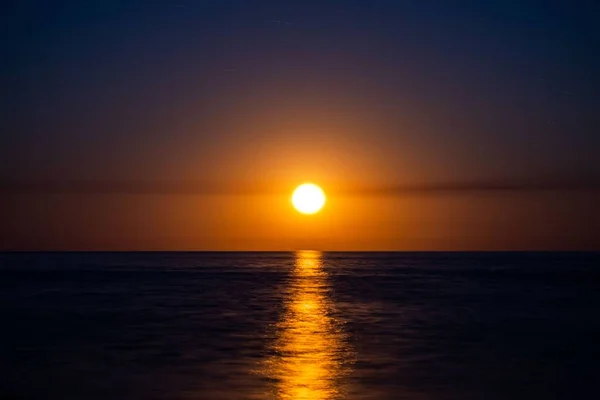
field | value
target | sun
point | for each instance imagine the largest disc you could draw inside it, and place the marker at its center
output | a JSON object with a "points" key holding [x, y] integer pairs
{"points": [[308, 198]]}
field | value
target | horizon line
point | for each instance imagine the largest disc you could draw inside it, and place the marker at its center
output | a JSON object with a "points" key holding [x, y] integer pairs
{"points": [[303, 250]]}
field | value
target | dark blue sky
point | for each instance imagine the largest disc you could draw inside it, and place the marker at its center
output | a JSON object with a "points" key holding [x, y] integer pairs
{"points": [[184, 125], [465, 89]]}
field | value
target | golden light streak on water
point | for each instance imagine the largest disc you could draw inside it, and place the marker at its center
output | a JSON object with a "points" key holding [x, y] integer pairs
{"points": [[311, 350]]}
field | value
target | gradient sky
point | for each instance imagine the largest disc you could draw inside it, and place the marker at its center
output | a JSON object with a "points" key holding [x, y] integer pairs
{"points": [[185, 125]]}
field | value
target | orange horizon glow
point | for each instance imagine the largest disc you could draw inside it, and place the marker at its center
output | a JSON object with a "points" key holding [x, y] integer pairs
{"points": [[502, 221]]}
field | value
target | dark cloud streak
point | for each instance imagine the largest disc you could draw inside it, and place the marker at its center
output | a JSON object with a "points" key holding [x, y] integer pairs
{"points": [[209, 188]]}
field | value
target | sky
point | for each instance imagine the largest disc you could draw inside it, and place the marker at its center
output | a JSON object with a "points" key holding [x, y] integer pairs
{"points": [[185, 125]]}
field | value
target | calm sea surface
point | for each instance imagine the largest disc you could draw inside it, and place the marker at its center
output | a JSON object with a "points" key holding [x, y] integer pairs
{"points": [[303, 325]]}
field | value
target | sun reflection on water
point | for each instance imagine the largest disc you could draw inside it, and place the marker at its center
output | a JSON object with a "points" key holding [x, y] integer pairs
{"points": [[311, 351]]}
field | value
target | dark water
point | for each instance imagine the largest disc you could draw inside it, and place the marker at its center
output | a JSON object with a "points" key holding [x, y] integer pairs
{"points": [[299, 325]]}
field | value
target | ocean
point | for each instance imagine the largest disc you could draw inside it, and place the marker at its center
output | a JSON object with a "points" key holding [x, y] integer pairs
{"points": [[303, 325]]}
